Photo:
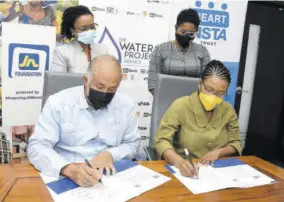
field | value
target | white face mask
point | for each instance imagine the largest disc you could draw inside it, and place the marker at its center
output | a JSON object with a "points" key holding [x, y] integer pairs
{"points": [[87, 37]]}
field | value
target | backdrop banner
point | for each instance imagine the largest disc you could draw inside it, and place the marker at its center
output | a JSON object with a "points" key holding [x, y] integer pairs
{"points": [[25, 58], [131, 29]]}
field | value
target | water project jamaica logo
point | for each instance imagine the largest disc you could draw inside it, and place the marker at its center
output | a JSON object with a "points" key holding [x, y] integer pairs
{"points": [[133, 52], [106, 34], [214, 23], [25, 59]]}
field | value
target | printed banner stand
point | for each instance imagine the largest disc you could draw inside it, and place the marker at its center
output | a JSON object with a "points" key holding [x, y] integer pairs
{"points": [[26, 54]]}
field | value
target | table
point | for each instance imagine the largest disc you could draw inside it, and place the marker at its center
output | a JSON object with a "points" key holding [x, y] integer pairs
{"points": [[21, 182]]}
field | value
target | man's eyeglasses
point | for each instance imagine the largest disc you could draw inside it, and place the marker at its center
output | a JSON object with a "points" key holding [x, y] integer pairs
{"points": [[213, 92], [87, 28], [185, 32]]}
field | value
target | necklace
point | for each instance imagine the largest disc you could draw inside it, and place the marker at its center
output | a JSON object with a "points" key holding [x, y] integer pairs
{"points": [[181, 54]]}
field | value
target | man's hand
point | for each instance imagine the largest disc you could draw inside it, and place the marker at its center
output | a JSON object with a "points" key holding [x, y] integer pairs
{"points": [[210, 157], [186, 168], [81, 174], [103, 161]]}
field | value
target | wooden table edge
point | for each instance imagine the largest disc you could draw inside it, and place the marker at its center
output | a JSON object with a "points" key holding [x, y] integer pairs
{"points": [[160, 165]]}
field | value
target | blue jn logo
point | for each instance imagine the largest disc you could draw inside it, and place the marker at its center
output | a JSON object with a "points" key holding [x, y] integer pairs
{"points": [[28, 61], [214, 23], [28, 64]]}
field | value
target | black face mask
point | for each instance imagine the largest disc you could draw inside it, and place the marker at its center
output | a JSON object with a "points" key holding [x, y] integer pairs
{"points": [[183, 40], [99, 99]]}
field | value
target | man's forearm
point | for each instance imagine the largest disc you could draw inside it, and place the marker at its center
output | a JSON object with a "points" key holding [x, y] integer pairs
{"points": [[123, 151], [46, 160]]}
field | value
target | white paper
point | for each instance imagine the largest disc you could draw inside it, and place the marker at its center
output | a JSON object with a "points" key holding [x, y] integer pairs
{"points": [[110, 191], [212, 179], [117, 188], [142, 178]]}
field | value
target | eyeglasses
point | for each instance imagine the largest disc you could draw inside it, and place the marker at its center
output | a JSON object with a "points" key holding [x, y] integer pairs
{"points": [[86, 28], [185, 32], [213, 92]]}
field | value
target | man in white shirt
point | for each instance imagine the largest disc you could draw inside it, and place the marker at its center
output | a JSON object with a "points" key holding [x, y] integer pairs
{"points": [[91, 122]]}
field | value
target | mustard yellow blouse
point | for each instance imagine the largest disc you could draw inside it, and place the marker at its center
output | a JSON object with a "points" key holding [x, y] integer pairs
{"points": [[185, 125]]}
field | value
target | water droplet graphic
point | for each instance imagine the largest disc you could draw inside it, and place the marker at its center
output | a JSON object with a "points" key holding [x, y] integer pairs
{"points": [[111, 44]]}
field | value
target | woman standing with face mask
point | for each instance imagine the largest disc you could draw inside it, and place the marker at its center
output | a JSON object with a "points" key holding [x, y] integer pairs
{"points": [[181, 57], [77, 24], [203, 123]]}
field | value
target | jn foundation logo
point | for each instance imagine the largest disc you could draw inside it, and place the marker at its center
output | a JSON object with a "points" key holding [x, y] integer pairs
{"points": [[128, 70], [98, 9], [27, 60], [214, 21], [155, 15]]}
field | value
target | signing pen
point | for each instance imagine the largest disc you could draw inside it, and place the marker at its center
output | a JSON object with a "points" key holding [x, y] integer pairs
{"points": [[190, 161], [88, 163]]}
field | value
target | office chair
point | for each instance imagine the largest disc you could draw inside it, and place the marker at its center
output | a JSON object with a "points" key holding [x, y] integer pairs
{"points": [[168, 88], [55, 82]]}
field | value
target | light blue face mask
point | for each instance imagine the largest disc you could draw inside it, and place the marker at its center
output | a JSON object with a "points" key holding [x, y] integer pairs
{"points": [[87, 37]]}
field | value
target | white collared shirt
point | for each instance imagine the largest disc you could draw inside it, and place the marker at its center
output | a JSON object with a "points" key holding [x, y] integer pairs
{"points": [[68, 130]]}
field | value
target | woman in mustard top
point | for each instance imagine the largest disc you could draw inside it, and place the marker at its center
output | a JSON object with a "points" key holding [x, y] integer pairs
{"points": [[203, 123]]}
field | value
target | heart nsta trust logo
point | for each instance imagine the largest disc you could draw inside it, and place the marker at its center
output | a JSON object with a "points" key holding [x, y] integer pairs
{"points": [[214, 22]]}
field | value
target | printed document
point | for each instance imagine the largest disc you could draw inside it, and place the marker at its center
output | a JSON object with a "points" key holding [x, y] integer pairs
{"points": [[120, 187], [212, 179]]}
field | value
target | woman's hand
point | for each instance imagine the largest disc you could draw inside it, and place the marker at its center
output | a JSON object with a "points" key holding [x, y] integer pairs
{"points": [[210, 157], [186, 168]]}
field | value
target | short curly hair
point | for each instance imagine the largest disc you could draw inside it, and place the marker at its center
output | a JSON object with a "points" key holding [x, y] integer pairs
{"points": [[188, 15]]}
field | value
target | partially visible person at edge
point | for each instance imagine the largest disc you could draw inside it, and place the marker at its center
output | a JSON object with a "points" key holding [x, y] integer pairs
{"points": [[74, 57], [36, 13], [180, 57], [91, 121], [11, 11], [203, 123]]}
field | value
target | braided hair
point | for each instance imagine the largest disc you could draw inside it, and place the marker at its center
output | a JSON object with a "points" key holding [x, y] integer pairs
{"points": [[188, 16], [70, 15], [218, 69]]}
